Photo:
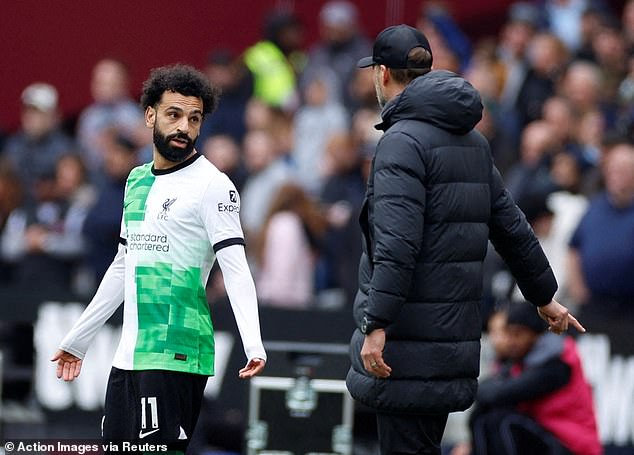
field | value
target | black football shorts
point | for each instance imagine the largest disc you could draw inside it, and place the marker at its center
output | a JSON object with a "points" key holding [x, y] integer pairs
{"points": [[155, 407]]}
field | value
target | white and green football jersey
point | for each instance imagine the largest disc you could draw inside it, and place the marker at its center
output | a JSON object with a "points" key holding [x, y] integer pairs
{"points": [[174, 221]]}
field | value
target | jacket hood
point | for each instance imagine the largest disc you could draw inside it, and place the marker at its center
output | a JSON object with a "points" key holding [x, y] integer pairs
{"points": [[441, 98]]}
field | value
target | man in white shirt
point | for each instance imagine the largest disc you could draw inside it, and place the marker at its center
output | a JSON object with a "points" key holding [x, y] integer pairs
{"points": [[180, 215]]}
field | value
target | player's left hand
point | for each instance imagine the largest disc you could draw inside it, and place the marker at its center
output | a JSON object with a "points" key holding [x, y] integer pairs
{"points": [[68, 365], [253, 367]]}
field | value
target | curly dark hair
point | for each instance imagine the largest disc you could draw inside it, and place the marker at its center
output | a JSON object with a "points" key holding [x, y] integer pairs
{"points": [[183, 79]]}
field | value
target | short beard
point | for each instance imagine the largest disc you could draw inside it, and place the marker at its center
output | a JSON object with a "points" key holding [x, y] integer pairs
{"points": [[173, 154]]}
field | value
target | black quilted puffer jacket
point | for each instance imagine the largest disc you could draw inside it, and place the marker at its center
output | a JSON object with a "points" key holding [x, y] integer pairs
{"points": [[434, 200]]}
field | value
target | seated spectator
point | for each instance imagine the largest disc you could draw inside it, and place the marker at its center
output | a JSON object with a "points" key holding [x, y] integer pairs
{"points": [[558, 112], [340, 46], [452, 48], [611, 56], [601, 261], [226, 73], [362, 91], [582, 86], [547, 57], [224, 153], [102, 226], [625, 120], [522, 23], [43, 237], [287, 249], [267, 172], [34, 150], [319, 117], [532, 175], [112, 108], [10, 199], [342, 194], [627, 20], [554, 217], [539, 402], [564, 20]]}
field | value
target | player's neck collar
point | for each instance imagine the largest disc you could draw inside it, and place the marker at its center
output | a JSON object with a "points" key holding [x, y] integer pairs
{"points": [[179, 166]]}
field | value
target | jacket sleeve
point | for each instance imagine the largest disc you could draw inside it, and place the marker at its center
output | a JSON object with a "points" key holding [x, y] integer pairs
{"points": [[399, 207], [515, 241]]}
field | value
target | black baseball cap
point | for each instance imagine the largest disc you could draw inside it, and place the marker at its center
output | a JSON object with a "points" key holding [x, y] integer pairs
{"points": [[392, 46]]}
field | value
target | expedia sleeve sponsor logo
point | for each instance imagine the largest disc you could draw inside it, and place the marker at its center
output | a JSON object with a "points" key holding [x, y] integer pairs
{"points": [[233, 207], [148, 242]]}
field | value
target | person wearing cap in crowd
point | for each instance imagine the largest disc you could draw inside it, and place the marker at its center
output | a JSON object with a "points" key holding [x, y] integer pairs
{"points": [[539, 401], [433, 201], [34, 150]]}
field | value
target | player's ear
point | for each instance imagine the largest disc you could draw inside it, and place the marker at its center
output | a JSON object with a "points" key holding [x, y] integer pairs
{"points": [[150, 116]]}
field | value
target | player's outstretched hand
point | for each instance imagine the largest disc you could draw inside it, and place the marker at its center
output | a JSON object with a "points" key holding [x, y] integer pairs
{"points": [[68, 365], [254, 366], [558, 317]]}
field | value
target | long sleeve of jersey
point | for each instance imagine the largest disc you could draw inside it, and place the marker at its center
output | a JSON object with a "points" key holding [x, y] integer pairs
{"points": [[107, 299], [241, 292]]}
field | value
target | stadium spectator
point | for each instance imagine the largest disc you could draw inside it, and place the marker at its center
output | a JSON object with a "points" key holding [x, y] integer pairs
{"points": [[288, 248], [627, 20], [612, 58], [320, 116], [522, 23], [342, 195], [532, 174], [225, 72], [276, 61], [102, 226], [420, 277], [558, 113], [112, 107], [547, 57], [43, 237], [539, 401], [267, 172], [601, 264], [362, 90], [341, 44], [564, 20], [582, 85], [625, 120], [224, 153], [166, 351], [487, 74], [10, 199], [452, 48], [34, 150]]}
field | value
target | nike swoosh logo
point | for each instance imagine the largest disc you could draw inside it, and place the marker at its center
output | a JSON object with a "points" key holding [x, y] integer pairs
{"points": [[142, 435]]}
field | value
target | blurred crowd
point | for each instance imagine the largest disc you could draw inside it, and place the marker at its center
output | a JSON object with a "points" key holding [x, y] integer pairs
{"points": [[294, 131]]}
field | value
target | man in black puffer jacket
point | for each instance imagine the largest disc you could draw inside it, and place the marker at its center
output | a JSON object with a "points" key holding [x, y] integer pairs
{"points": [[434, 200]]}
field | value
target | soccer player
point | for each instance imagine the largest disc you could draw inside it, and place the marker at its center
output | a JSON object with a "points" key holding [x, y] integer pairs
{"points": [[180, 214]]}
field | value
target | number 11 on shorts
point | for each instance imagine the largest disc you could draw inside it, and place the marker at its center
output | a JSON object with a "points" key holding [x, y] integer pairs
{"points": [[151, 402]]}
